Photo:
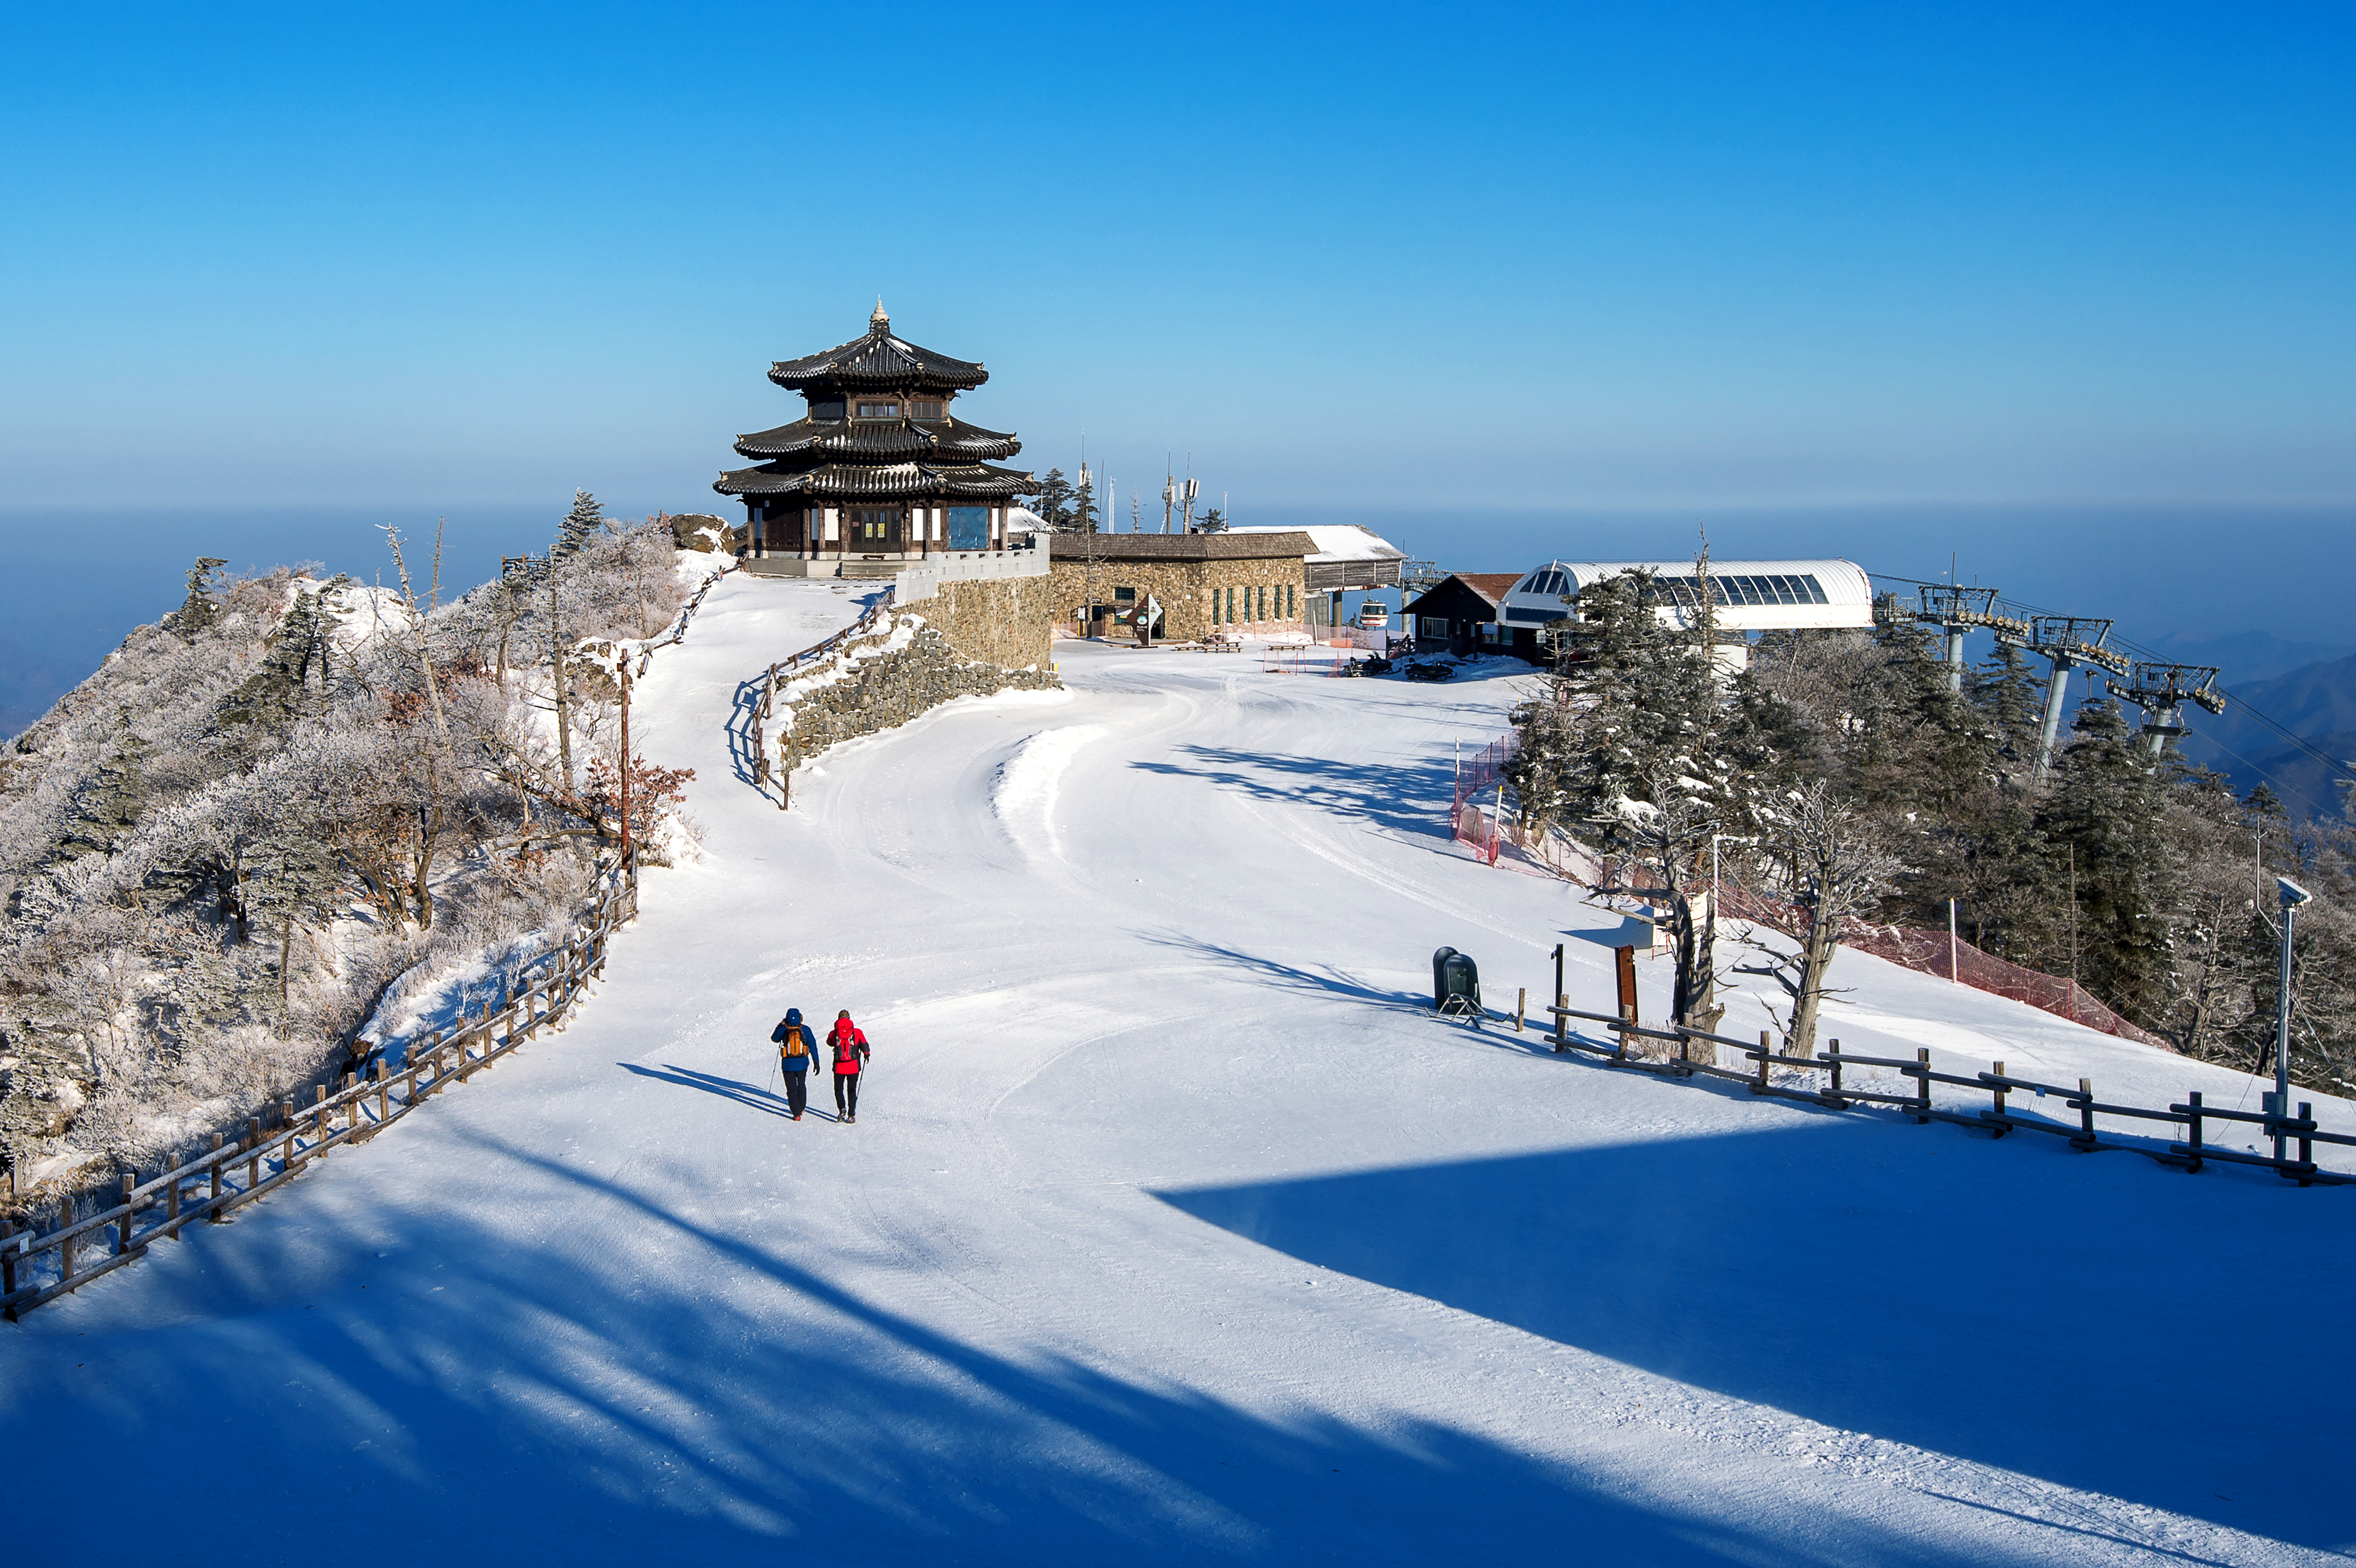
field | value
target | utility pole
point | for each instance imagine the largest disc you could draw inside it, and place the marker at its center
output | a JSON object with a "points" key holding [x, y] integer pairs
{"points": [[2292, 895], [626, 757]]}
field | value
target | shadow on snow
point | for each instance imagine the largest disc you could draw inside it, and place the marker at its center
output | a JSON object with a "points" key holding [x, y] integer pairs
{"points": [[664, 1388], [2096, 1321]]}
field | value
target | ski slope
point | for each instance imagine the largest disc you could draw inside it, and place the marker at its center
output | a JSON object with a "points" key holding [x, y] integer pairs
{"points": [[1176, 1229]]}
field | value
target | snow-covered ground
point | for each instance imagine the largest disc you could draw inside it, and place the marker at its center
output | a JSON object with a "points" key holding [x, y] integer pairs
{"points": [[1176, 1229]]}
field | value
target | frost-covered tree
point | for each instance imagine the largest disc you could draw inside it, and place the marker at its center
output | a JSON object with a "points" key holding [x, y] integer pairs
{"points": [[1837, 862], [225, 848], [572, 535], [1638, 746]]}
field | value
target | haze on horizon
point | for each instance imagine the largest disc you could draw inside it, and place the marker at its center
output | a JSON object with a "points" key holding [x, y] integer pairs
{"points": [[2082, 271]]}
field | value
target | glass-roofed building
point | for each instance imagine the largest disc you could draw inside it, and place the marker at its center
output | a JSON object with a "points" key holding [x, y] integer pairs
{"points": [[1748, 595], [878, 472]]}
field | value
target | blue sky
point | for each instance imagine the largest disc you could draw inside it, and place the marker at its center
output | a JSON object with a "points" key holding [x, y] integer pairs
{"points": [[1494, 275]]}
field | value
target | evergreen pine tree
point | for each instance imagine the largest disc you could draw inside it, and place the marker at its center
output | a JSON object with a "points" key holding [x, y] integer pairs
{"points": [[2006, 691], [584, 520], [1083, 506], [198, 611], [1055, 507], [2104, 820], [1635, 743], [1214, 522]]}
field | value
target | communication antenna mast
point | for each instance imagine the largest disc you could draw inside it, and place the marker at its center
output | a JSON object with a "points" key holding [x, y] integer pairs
{"points": [[1168, 495]]}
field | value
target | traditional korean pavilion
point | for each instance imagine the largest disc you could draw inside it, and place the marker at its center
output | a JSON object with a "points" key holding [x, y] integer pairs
{"points": [[878, 470]]}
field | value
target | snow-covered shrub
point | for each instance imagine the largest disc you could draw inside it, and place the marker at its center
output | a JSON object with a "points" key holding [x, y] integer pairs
{"points": [[280, 806]]}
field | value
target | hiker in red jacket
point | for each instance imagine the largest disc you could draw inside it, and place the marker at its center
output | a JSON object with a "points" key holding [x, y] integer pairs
{"points": [[849, 1047]]}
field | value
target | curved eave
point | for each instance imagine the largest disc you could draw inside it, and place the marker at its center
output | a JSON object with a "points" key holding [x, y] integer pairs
{"points": [[877, 360], [895, 480], [953, 442]]}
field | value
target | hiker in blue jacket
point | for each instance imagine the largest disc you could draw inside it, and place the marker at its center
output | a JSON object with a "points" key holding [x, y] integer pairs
{"points": [[796, 1050]]}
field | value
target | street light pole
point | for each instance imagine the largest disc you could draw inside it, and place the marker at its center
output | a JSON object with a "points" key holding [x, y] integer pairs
{"points": [[2292, 895]]}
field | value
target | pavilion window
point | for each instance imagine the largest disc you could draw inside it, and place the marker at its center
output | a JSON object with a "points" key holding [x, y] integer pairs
{"points": [[879, 411], [925, 409]]}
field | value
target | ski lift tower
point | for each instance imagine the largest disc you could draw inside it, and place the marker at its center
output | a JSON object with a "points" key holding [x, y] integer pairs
{"points": [[2068, 641], [1956, 611], [2161, 690]]}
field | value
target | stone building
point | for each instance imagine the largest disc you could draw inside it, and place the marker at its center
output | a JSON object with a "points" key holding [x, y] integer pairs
{"points": [[878, 473], [1241, 584]]}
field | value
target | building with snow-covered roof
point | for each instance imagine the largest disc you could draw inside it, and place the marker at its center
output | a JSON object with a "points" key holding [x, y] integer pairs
{"points": [[1348, 557], [1746, 595]]}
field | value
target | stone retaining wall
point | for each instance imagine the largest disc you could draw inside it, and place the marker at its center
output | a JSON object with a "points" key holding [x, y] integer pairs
{"points": [[971, 638]]}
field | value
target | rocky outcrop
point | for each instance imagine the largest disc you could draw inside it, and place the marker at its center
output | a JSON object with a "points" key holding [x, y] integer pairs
{"points": [[702, 531]]}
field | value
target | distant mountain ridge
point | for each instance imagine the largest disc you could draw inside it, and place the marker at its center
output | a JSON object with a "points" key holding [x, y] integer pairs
{"points": [[2316, 701]]}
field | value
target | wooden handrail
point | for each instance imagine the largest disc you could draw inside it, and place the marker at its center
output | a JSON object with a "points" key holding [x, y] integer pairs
{"points": [[364, 1106], [1998, 1085]]}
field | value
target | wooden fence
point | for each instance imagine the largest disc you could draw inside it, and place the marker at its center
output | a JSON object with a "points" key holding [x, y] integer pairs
{"points": [[2190, 1154], [785, 668], [279, 1145], [678, 633]]}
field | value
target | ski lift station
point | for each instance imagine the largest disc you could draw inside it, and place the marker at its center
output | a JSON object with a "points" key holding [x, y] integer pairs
{"points": [[1747, 596]]}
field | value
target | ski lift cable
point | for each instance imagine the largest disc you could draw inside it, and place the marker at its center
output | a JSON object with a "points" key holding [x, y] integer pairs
{"points": [[2338, 765]]}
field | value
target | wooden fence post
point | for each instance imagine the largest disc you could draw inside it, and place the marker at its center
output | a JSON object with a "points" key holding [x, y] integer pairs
{"points": [[1766, 1051], [2194, 1144], [1521, 1006], [213, 1214], [1837, 1067], [2086, 1109], [2306, 1143], [1922, 1092], [122, 1226], [1998, 1088], [1561, 1000], [8, 1263], [172, 1204], [66, 1247]]}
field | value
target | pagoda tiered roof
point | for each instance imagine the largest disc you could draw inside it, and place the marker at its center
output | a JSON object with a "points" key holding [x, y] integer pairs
{"points": [[876, 362], [859, 482], [950, 439], [832, 454]]}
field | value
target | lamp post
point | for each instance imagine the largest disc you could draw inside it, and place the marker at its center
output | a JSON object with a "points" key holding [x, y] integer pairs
{"points": [[2292, 895]]}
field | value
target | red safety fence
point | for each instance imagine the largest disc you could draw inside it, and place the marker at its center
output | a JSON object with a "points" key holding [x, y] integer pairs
{"points": [[1469, 822], [1929, 952], [1949, 957]]}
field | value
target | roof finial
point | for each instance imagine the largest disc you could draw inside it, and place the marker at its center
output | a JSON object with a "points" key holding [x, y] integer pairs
{"points": [[879, 322]]}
